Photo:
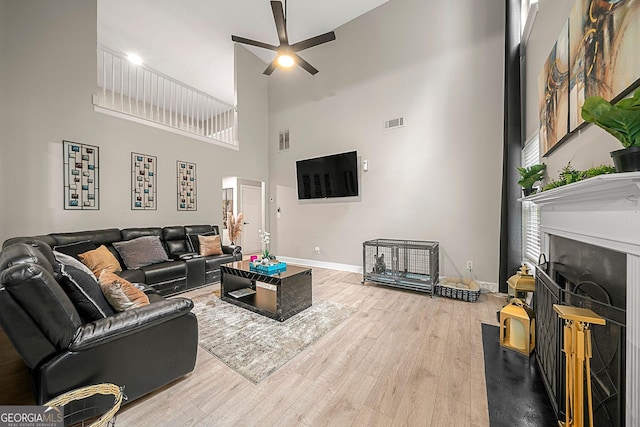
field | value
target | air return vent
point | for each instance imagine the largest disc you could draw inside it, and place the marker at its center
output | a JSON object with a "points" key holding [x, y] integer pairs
{"points": [[283, 140], [394, 123]]}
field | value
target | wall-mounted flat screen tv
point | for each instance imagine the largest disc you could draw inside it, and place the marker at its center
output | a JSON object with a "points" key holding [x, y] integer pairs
{"points": [[329, 176]]}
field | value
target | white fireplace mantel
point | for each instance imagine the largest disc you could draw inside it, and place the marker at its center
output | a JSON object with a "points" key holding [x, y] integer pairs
{"points": [[603, 211]]}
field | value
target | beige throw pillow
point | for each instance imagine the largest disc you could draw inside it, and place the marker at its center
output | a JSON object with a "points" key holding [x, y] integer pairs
{"points": [[120, 293], [99, 260], [210, 245]]}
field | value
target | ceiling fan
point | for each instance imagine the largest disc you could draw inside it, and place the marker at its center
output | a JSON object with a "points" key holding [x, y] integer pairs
{"points": [[287, 54]]}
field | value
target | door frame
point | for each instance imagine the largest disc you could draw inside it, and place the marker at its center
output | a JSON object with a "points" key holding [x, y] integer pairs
{"points": [[237, 187]]}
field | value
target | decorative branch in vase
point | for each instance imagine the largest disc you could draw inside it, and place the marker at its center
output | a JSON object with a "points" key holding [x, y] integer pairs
{"points": [[234, 226]]}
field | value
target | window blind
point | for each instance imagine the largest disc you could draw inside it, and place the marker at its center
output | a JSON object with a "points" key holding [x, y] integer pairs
{"points": [[530, 211]]}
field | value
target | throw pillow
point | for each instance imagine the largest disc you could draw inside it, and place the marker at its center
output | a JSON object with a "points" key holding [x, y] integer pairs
{"points": [[194, 242], [73, 262], [99, 260], [122, 294], [75, 249], [141, 251], [85, 293], [210, 245]]}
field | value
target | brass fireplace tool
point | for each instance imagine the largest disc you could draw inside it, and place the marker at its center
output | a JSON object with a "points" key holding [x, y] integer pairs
{"points": [[578, 352]]}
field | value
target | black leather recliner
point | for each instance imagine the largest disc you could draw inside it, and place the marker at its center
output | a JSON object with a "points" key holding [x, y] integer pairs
{"points": [[141, 349]]}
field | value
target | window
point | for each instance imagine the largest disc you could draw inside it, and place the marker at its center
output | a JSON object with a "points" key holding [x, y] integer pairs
{"points": [[530, 211]]}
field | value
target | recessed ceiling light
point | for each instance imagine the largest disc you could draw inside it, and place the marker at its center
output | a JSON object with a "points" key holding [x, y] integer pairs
{"points": [[134, 59]]}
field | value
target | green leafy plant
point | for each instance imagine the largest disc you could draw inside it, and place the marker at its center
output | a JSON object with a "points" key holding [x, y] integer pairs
{"points": [[569, 175], [621, 119], [531, 175], [598, 170]]}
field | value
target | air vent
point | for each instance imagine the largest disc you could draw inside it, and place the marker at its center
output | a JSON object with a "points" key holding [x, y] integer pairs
{"points": [[394, 123], [283, 140]]}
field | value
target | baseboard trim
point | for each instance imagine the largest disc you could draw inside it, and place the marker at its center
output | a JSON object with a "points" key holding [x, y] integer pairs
{"points": [[322, 264], [485, 287]]}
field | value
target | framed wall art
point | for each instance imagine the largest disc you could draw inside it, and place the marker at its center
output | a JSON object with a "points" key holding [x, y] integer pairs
{"points": [[594, 55], [143, 181], [81, 176], [187, 186], [604, 38], [553, 93]]}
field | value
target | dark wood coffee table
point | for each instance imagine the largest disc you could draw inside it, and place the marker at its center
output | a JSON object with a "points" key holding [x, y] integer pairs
{"points": [[278, 296]]}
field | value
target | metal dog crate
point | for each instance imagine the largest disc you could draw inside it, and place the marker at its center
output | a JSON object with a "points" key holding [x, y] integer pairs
{"points": [[409, 264]]}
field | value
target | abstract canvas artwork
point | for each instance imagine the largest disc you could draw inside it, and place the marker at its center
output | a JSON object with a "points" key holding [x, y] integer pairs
{"points": [[143, 181], [604, 38], [187, 189], [595, 54], [553, 93], [81, 176]]}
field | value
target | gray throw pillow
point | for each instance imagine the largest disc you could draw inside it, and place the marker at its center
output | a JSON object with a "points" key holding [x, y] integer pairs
{"points": [[73, 262], [141, 251], [85, 294]]}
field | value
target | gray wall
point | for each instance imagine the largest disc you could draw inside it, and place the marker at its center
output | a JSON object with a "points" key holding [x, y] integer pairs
{"points": [[437, 178], [49, 76], [592, 145], [3, 105]]}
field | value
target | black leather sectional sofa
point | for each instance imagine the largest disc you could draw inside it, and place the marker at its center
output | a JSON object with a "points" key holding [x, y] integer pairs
{"points": [[140, 349], [185, 269]]}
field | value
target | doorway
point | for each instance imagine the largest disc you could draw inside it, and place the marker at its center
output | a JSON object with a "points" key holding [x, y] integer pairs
{"points": [[246, 196], [250, 199]]}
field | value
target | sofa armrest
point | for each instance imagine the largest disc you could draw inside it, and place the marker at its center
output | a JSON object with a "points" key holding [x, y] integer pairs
{"points": [[126, 322], [231, 250], [181, 256]]}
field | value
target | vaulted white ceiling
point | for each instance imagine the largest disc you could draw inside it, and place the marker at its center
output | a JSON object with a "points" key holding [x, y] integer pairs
{"points": [[190, 40]]}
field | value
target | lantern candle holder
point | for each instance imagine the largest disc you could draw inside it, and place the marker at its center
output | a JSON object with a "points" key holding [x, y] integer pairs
{"points": [[517, 327]]}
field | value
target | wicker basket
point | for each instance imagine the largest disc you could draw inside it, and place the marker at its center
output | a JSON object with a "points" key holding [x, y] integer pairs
{"points": [[80, 394], [469, 293]]}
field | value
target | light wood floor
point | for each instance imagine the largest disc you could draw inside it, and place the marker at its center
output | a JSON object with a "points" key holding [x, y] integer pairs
{"points": [[402, 358]]}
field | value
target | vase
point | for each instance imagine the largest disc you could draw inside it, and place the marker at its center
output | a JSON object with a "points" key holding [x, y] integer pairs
{"points": [[529, 191], [627, 159]]}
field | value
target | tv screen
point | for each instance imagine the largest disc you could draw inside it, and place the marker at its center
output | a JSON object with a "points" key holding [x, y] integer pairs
{"points": [[328, 176]]}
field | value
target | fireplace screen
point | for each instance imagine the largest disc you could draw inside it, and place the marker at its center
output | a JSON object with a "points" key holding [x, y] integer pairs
{"points": [[586, 276]]}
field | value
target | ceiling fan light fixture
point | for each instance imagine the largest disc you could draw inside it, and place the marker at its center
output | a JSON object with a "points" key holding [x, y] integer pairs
{"points": [[285, 60], [287, 53]]}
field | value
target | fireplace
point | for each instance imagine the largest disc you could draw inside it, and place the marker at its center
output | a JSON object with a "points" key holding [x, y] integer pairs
{"points": [[588, 276], [604, 213]]}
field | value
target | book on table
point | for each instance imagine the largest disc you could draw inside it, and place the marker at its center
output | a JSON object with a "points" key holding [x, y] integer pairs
{"points": [[242, 292]]}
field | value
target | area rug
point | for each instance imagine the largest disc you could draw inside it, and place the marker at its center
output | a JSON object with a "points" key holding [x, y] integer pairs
{"points": [[256, 346], [515, 391]]}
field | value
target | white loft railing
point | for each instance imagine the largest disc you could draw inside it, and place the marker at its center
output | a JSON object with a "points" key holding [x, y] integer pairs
{"points": [[140, 92]]}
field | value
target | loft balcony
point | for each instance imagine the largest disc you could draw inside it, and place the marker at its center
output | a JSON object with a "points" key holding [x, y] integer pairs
{"points": [[144, 95]]}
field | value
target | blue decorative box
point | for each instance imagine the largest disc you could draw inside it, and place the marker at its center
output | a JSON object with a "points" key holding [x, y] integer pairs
{"points": [[271, 268]]}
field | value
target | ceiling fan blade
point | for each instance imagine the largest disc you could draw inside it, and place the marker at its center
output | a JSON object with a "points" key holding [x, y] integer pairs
{"points": [[271, 67], [313, 41], [281, 26], [253, 43], [304, 64]]}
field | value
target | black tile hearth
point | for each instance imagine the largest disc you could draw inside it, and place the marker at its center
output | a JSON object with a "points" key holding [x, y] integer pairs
{"points": [[515, 392]]}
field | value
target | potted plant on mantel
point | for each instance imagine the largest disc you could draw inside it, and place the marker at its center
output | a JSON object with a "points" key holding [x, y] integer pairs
{"points": [[529, 176], [621, 120]]}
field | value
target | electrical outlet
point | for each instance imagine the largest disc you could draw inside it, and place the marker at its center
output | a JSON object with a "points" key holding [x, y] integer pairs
{"points": [[317, 250], [469, 265]]}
